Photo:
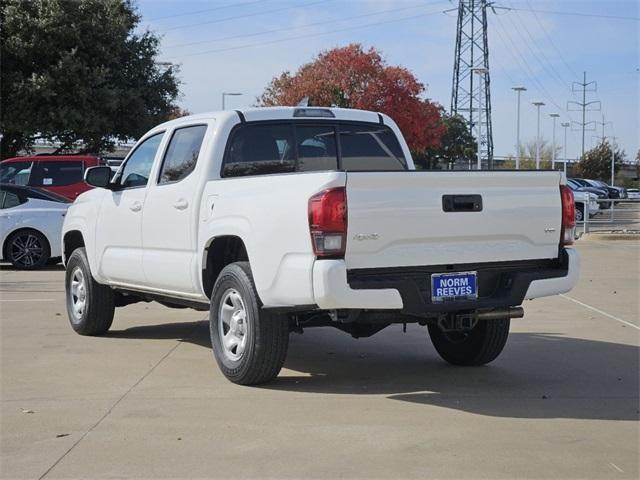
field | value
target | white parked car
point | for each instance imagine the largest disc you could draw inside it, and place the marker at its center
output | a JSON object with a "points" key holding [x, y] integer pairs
{"points": [[633, 193], [280, 219], [30, 225], [588, 198]]}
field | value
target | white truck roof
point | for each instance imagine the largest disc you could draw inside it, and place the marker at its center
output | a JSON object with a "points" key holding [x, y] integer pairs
{"points": [[279, 113]]}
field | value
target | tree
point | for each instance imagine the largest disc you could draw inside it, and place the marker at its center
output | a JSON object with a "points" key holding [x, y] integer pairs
{"points": [[528, 157], [351, 77], [77, 72], [596, 163], [457, 144]]}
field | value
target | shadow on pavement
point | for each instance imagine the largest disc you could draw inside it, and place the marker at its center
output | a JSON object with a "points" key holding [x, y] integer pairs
{"points": [[190, 332], [539, 375], [55, 267]]}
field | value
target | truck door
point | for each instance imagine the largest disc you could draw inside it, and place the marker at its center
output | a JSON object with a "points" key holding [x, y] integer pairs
{"points": [[119, 228], [170, 214]]}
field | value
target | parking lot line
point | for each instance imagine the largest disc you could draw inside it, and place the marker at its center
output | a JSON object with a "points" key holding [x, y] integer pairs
{"points": [[27, 300], [601, 312]]}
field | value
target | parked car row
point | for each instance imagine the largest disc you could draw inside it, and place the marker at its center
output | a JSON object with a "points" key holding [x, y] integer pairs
{"points": [[612, 192]]}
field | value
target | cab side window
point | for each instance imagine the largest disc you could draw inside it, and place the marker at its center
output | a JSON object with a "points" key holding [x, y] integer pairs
{"points": [[136, 171], [182, 153]]}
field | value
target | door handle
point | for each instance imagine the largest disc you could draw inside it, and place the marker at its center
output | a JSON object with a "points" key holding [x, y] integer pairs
{"points": [[180, 204], [135, 207]]}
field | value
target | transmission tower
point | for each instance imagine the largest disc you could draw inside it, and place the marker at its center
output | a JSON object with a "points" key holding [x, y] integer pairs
{"points": [[470, 96], [584, 106]]}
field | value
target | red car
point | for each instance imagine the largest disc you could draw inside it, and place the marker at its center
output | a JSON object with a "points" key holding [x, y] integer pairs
{"points": [[61, 174]]}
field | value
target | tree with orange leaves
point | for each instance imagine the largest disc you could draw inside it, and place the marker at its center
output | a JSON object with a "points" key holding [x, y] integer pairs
{"points": [[351, 77]]}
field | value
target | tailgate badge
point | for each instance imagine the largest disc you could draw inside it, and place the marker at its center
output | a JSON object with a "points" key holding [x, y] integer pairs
{"points": [[549, 230], [366, 236]]}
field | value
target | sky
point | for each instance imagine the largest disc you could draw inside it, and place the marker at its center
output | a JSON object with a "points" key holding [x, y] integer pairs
{"points": [[545, 46]]}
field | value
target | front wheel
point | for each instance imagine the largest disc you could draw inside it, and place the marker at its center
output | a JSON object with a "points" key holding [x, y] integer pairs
{"points": [[90, 305], [249, 344], [478, 346]]}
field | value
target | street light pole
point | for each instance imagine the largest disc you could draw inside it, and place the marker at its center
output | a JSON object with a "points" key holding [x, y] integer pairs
{"points": [[481, 72], [613, 161], [565, 125], [228, 94], [519, 90], [553, 153], [538, 105]]}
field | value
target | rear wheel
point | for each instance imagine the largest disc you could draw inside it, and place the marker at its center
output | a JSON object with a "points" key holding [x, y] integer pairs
{"points": [[90, 305], [478, 346], [27, 249], [579, 212], [249, 344]]}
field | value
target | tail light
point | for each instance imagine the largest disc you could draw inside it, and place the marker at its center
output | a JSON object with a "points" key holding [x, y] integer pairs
{"points": [[568, 230], [328, 222]]}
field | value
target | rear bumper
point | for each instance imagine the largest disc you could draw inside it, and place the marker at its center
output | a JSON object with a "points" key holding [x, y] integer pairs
{"points": [[502, 284]]}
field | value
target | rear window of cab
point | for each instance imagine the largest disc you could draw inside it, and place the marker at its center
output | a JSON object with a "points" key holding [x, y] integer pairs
{"points": [[286, 147]]}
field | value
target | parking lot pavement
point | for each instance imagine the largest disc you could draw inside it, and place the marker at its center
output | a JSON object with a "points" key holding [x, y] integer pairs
{"points": [[147, 401]]}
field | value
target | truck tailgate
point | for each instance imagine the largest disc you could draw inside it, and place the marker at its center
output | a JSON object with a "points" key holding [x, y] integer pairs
{"points": [[398, 219]]}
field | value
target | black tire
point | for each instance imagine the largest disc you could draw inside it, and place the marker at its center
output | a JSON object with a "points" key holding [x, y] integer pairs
{"points": [[27, 249], [265, 335], [481, 345], [579, 212], [96, 316]]}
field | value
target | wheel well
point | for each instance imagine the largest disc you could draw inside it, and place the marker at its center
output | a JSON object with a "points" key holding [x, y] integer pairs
{"points": [[72, 240], [25, 229], [221, 252]]}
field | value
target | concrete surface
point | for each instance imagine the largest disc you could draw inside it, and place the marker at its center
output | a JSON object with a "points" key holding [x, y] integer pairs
{"points": [[147, 401]]}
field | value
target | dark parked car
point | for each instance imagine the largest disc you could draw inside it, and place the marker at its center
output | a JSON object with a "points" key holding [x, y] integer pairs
{"points": [[602, 194], [622, 192], [614, 192]]}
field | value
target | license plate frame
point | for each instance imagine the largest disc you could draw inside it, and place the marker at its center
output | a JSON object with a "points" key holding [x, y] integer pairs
{"points": [[465, 279]]}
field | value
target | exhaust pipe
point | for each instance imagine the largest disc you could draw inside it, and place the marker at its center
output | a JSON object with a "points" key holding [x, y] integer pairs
{"points": [[510, 312]]}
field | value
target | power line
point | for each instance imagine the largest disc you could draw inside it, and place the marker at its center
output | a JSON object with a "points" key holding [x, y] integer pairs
{"points": [[247, 15], [298, 37], [511, 46], [551, 71], [577, 14], [553, 44], [195, 12], [287, 29]]}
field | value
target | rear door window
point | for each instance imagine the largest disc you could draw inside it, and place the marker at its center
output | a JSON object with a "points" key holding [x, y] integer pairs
{"points": [[56, 173], [9, 199], [182, 153]]}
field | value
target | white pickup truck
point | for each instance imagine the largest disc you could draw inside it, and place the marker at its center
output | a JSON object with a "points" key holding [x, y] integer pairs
{"points": [[279, 219]]}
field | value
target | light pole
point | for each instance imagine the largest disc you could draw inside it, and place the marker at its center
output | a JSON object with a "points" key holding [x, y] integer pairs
{"points": [[553, 152], [228, 94], [613, 160], [565, 125], [538, 105], [519, 90], [481, 72]]}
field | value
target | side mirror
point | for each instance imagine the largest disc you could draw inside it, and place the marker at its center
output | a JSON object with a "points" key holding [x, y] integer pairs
{"points": [[98, 176]]}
